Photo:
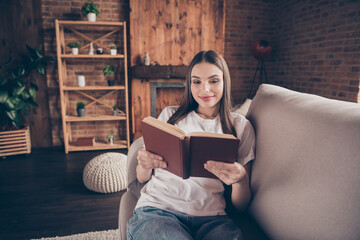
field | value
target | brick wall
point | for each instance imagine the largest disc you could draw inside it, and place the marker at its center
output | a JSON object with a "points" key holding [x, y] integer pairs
{"points": [[316, 47], [246, 22], [110, 10]]}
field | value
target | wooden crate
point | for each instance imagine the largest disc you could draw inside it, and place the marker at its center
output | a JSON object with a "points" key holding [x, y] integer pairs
{"points": [[15, 142]]}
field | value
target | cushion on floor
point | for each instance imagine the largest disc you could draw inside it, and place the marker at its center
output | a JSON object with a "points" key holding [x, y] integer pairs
{"points": [[106, 173]]}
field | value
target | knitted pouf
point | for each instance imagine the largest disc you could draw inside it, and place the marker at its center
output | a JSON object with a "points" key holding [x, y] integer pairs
{"points": [[106, 173]]}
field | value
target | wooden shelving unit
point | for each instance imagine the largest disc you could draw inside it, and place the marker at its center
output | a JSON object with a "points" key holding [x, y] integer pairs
{"points": [[66, 90]]}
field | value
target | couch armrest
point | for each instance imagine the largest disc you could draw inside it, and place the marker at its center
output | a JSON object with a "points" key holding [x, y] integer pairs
{"points": [[127, 205], [129, 199]]}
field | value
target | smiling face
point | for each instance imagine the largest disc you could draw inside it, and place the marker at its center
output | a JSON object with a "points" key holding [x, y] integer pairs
{"points": [[207, 87]]}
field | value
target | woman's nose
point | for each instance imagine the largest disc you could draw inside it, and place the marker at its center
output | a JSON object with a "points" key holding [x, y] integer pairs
{"points": [[206, 87]]}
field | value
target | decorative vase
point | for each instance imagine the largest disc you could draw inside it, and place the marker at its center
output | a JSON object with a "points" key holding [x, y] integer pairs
{"points": [[147, 59], [75, 51], [81, 81], [91, 17], [81, 112], [113, 52], [91, 49]]}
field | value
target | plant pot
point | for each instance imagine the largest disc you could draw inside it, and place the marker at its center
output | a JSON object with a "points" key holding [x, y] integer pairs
{"points": [[91, 17], [115, 112], [81, 112], [99, 51], [75, 51], [111, 141], [111, 82], [15, 142], [113, 52]]}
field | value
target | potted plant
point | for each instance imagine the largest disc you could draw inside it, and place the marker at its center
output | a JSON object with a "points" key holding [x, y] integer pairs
{"points": [[74, 47], [113, 50], [18, 92], [115, 110], [80, 109], [109, 71], [90, 10], [110, 139]]}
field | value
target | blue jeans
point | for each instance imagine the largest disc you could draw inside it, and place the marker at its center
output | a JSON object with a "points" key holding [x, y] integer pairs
{"points": [[154, 223]]}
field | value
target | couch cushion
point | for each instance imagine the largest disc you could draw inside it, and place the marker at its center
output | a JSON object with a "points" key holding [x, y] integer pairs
{"points": [[306, 176]]}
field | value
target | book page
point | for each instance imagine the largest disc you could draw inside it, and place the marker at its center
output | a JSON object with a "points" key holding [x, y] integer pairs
{"points": [[167, 127], [214, 135]]}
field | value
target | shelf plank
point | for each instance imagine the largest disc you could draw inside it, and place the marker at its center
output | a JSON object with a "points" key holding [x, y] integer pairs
{"points": [[91, 56], [87, 23], [94, 118], [92, 88], [120, 144]]}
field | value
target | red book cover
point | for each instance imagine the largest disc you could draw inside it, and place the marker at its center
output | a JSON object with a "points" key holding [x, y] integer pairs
{"points": [[184, 154]]}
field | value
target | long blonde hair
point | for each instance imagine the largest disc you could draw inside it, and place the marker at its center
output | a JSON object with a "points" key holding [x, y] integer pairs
{"points": [[188, 102]]}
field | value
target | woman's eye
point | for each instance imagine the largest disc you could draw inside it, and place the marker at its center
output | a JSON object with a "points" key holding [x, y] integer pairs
{"points": [[214, 81], [196, 82]]}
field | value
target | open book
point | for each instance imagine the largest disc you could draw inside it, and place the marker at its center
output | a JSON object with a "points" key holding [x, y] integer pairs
{"points": [[185, 155]]}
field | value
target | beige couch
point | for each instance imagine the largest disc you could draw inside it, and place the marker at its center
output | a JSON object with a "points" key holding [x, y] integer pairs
{"points": [[306, 176]]}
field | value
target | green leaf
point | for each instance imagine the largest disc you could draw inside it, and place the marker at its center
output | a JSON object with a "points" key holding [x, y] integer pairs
{"points": [[33, 85], [18, 90], [17, 121], [31, 50], [3, 81], [18, 82], [14, 102], [7, 63], [41, 69], [48, 59], [32, 92], [33, 104], [9, 104], [3, 96], [20, 71], [12, 114], [25, 111], [38, 53], [25, 95], [12, 75]]}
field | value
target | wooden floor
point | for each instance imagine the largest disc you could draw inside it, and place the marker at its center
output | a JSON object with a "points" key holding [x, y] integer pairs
{"points": [[42, 195]]}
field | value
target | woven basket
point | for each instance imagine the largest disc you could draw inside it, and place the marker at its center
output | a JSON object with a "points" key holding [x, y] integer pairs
{"points": [[106, 173]]}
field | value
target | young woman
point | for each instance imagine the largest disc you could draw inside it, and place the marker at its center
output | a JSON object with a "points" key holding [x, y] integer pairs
{"points": [[173, 208]]}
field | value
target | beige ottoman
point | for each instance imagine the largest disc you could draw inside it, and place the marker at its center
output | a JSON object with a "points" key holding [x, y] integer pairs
{"points": [[106, 173]]}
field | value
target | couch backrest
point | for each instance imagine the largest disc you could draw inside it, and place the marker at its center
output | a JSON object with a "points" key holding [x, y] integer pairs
{"points": [[306, 175]]}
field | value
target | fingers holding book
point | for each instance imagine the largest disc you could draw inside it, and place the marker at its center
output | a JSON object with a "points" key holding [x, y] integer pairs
{"points": [[229, 173], [148, 160]]}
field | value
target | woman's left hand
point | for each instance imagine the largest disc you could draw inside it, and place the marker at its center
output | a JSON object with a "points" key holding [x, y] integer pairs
{"points": [[229, 173]]}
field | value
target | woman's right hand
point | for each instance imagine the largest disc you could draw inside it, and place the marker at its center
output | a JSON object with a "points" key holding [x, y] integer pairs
{"points": [[148, 160]]}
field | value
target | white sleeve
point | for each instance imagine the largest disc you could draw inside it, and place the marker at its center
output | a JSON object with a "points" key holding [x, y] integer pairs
{"points": [[167, 113], [245, 132]]}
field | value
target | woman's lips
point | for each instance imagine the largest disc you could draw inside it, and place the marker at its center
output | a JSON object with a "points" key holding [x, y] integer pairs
{"points": [[206, 98]]}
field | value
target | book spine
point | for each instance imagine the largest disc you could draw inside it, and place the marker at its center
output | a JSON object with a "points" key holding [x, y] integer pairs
{"points": [[185, 151]]}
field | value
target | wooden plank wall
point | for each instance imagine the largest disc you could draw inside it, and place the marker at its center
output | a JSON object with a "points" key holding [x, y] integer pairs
{"points": [[20, 24], [172, 31]]}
